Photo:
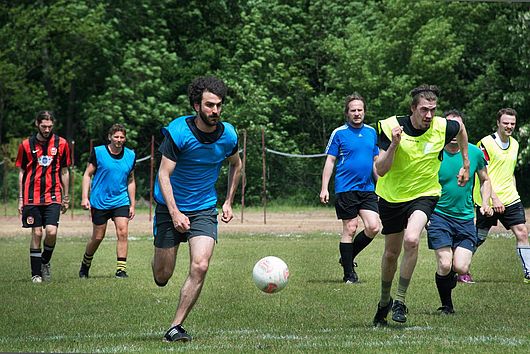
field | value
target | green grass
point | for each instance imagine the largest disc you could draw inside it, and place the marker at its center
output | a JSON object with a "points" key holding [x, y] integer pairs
{"points": [[315, 313]]}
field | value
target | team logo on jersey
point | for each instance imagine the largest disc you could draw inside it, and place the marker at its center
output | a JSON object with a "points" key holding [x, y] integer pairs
{"points": [[30, 220], [53, 151], [45, 160], [428, 148]]}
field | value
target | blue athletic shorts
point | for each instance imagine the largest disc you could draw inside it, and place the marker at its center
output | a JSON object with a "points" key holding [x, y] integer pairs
{"points": [[202, 223], [445, 231]]}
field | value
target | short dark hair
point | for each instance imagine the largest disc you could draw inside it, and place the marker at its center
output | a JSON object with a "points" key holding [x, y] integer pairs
{"points": [[428, 92], [206, 83], [354, 96], [117, 128], [508, 111], [44, 115], [454, 112]]}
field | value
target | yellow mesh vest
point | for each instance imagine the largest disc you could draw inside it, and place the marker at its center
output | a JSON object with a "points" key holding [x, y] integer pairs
{"points": [[501, 167], [414, 172]]}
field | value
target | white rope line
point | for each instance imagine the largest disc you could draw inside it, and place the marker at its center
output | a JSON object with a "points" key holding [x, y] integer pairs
{"points": [[144, 158], [292, 155]]}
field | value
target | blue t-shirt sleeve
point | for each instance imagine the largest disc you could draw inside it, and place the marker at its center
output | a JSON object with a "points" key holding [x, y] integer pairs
{"points": [[333, 146]]}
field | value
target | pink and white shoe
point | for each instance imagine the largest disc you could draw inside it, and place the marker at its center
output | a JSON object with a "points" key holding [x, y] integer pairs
{"points": [[465, 278]]}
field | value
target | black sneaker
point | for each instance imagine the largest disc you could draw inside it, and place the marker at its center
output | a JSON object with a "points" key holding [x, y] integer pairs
{"points": [[351, 278], [121, 274], [380, 315], [177, 334], [399, 312], [83, 271], [446, 310]]}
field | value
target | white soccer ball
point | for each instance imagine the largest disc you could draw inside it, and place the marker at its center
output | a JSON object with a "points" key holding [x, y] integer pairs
{"points": [[270, 274]]}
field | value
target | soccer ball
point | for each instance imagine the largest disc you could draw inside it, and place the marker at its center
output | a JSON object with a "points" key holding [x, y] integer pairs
{"points": [[270, 274]]}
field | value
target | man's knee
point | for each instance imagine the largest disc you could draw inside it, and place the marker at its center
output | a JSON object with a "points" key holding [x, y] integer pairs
{"points": [[199, 267], [411, 244]]}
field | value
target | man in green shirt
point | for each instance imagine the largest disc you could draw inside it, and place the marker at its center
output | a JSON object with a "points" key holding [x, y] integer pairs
{"points": [[451, 231]]}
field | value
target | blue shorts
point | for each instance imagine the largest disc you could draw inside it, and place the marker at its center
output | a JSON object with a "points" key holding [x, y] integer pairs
{"points": [[202, 223], [445, 231]]}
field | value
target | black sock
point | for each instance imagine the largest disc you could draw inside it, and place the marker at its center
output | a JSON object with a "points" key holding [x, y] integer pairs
{"points": [[359, 243], [445, 285], [346, 255], [35, 259], [47, 254], [87, 260]]}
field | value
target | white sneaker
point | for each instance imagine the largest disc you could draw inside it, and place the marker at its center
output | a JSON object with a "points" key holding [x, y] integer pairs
{"points": [[36, 279], [46, 272]]}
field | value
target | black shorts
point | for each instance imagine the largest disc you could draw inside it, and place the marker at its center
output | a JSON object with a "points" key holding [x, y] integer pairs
{"points": [[348, 204], [395, 216], [202, 223], [101, 216], [513, 215], [41, 215]]}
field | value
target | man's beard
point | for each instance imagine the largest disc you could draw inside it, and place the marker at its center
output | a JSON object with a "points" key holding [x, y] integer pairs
{"points": [[44, 136], [205, 119]]}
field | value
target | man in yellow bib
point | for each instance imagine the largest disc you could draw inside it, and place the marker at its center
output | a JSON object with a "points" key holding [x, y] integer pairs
{"points": [[411, 148], [500, 151]]}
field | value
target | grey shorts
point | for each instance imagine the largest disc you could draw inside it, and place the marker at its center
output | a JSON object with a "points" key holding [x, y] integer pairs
{"points": [[202, 223]]}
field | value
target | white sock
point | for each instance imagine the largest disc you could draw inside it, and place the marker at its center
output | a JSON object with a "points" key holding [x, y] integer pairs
{"points": [[524, 254]]}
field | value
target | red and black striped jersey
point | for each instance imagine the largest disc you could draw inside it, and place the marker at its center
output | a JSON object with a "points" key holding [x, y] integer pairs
{"points": [[41, 162]]}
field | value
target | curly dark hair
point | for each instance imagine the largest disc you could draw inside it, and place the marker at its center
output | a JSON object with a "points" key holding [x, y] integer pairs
{"points": [[44, 115], [429, 92], [206, 83]]}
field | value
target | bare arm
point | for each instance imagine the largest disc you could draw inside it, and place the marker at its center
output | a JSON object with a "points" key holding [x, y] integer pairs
{"points": [[386, 158], [374, 170], [180, 221], [65, 182], [85, 185], [485, 192], [461, 138], [131, 190], [234, 173], [326, 176], [20, 189]]}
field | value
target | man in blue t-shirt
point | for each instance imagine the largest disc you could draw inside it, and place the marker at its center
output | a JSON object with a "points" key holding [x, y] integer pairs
{"points": [[451, 232], [353, 147], [112, 196], [193, 151]]}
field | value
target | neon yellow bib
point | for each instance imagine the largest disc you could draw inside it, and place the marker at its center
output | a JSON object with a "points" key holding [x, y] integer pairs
{"points": [[414, 172], [501, 166]]}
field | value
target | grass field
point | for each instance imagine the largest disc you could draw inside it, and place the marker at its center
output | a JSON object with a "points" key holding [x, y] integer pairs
{"points": [[315, 313]]}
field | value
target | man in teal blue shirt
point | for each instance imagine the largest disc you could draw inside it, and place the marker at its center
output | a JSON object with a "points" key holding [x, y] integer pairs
{"points": [[451, 230]]}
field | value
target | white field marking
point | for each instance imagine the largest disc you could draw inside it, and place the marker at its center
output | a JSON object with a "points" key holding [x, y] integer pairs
{"points": [[77, 337], [419, 328], [506, 235]]}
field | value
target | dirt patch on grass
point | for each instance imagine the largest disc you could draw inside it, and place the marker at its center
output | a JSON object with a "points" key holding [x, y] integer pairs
{"points": [[320, 220], [317, 220]]}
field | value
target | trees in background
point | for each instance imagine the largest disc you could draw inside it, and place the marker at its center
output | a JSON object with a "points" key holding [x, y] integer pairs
{"points": [[288, 64]]}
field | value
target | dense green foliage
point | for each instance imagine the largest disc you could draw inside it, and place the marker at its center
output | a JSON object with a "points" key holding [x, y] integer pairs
{"points": [[315, 313], [289, 64]]}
